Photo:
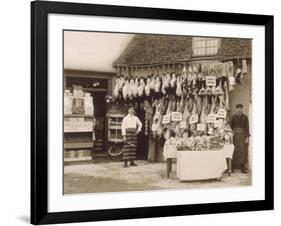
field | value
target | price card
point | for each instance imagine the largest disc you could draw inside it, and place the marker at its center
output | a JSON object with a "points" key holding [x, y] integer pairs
{"points": [[183, 124], [231, 80], [218, 123], [211, 130], [166, 119], [193, 119], [211, 81], [221, 113], [201, 126], [176, 116], [211, 118]]}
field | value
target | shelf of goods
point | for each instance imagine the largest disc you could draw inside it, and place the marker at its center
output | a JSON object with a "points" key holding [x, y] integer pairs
{"points": [[114, 127], [78, 126]]}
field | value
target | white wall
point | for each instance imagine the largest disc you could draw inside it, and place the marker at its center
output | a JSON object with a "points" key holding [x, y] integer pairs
{"points": [[93, 51], [14, 114]]}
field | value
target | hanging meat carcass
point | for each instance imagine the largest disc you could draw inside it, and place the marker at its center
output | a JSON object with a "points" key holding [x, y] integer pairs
{"points": [[173, 105], [244, 67], [220, 95], [186, 113], [131, 88], [238, 75], [179, 86], [116, 88], [163, 84], [173, 80], [231, 78], [169, 107], [135, 87], [152, 83], [204, 112], [125, 89], [147, 87], [226, 95], [182, 104], [141, 88], [157, 118], [148, 115], [157, 87]]}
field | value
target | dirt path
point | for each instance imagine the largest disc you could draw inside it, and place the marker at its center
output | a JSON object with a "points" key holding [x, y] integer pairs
{"points": [[112, 177]]}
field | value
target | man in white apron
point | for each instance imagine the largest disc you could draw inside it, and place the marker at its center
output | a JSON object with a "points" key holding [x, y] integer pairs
{"points": [[131, 126]]}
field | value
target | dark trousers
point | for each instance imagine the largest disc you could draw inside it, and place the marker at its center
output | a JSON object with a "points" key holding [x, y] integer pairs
{"points": [[131, 162], [169, 165]]}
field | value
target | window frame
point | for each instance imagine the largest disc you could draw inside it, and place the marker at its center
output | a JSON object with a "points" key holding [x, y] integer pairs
{"points": [[201, 43]]}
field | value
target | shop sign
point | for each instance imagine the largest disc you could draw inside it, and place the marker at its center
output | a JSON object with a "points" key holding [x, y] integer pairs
{"points": [[183, 124], [211, 118], [201, 126], [176, 116], [166, 118], [210, 81], [193, 119], [221, 113]]}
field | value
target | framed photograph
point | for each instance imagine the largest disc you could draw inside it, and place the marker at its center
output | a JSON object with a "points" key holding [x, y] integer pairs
{"points": [[146, 112]]}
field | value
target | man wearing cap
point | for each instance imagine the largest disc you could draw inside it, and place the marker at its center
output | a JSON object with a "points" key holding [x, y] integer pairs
{"points": [[240, 125], [131, 126]]}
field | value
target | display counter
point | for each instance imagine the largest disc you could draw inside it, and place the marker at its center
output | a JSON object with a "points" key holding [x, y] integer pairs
{"points": [[202, 165]]}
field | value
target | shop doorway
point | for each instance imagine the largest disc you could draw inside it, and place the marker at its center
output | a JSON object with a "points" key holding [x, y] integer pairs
{"points": [[100, 127]]}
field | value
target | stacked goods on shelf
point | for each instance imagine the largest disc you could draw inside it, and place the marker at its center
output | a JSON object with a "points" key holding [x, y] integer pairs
{"points": [[114, 127], [68, 98], [78, 102], [88, 104], [78, 124]]}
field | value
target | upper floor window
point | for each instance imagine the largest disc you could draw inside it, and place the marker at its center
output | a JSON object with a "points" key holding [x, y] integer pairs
{"points": [[205, 46]]}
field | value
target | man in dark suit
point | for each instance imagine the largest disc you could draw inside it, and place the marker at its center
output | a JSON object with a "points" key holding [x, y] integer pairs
{"points": [[240, 125]]}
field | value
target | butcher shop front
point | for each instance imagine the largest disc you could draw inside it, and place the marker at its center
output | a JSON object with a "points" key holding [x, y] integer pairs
{"points": [[155, 111], [187, 85]]}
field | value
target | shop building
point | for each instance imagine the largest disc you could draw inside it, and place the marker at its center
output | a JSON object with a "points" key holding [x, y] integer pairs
{"points": [[147, 54]]}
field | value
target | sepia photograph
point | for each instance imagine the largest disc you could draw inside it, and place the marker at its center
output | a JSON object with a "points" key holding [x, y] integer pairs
{"points": [[149, 112]]}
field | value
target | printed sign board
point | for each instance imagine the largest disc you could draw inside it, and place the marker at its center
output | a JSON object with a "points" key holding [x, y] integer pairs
{"points": [[211, 118], [176, 116], [201, 126], [221, 113], [210, 81], [166, 118]]}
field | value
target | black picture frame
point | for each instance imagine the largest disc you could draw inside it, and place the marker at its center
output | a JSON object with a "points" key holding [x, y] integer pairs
{"points": [[39, 112]]}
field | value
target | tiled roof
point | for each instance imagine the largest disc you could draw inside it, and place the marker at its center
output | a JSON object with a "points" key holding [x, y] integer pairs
{"points": [[233, 47], [165, 49], [155, 49]]}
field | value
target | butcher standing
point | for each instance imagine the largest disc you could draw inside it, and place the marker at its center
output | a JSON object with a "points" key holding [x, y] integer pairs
{"points": [[240, 126], [131, 126]]}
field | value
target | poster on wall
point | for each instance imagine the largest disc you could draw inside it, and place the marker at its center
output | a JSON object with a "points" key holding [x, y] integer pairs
{"points": [[148, 122]]}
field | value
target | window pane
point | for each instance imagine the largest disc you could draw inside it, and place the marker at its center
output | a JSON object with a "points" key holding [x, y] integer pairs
{"points": [[203, 43], [205, 46], [209, 43]]}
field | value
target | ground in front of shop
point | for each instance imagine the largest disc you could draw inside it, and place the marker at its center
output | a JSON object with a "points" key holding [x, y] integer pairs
{"points": [[112, 177]]}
